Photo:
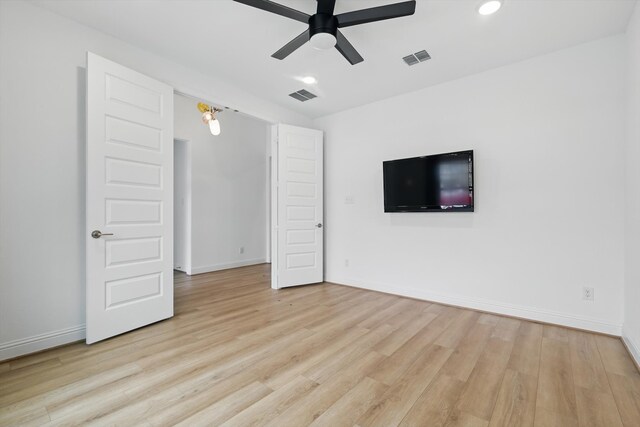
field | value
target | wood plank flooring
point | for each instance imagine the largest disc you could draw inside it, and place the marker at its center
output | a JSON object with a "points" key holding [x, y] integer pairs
{"points": [[238, 353]]}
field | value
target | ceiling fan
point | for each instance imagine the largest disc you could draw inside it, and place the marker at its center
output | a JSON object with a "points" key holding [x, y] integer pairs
{"points": [[324, 26]]}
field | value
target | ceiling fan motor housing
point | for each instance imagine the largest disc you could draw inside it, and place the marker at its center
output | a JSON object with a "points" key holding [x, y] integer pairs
{"points": [[322, 23]]}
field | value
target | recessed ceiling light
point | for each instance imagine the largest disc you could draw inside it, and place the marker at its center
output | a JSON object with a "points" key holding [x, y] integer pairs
{"points": [[309, 80], [489, 7]]}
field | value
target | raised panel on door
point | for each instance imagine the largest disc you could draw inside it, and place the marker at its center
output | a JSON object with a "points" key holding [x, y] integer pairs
{"points": [[132, 251], [129, 199]]}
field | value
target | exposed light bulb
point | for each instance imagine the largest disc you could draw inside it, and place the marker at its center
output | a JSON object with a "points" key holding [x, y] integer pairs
{"points": [[214, 127], [490, 7]]}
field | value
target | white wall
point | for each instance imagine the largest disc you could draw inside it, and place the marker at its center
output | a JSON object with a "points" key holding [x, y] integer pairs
{"points": [[42, 150], [631, 332], [228, 197], [548, 135]]}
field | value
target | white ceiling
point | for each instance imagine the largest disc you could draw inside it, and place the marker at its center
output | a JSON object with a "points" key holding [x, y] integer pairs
{"points": [[232, 41]]}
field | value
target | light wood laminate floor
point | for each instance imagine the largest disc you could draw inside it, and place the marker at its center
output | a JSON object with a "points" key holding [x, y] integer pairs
{"points": [[240, 354]]}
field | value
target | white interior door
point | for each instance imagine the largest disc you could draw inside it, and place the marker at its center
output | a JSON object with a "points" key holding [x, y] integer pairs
{"points": [[299, 207], [129, 246]]}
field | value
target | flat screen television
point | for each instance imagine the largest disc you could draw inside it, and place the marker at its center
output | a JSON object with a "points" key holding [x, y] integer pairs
{"points": [[437, 183]]}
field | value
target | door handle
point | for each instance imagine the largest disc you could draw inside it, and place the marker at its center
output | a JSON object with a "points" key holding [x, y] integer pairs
{"points": [[96, 234], [319, 225]]}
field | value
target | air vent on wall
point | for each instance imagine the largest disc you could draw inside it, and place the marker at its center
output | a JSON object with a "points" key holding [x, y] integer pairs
{"points": [[416, 58], [302, 95]]}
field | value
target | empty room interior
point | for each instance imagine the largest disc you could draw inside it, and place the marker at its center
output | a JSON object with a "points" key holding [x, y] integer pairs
{"points": [[320, 212]]}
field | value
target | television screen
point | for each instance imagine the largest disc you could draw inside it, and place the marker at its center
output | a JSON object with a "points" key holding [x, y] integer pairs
{"points": [[437, 183]]}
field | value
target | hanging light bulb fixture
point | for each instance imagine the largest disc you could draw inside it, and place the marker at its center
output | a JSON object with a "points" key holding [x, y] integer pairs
{"points": [[209, 117]]}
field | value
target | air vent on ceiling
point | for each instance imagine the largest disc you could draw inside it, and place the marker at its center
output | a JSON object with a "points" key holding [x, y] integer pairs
{"points": [[416, 58], [302, 95]]}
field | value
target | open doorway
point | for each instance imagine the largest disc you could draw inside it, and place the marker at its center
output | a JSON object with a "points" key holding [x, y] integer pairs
{"points": [[224, 197], [221, 190], [181, 206]]}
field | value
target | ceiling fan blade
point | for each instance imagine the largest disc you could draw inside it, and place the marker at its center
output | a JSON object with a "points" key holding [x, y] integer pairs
{"points": [[288, 48], [276, 8], [347, 50], [373, 14], [326, 6]]}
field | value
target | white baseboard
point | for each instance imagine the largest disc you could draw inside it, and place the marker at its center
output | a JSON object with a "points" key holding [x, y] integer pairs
{"points": [[40, 342], [225, 266], [633, 347], [528, 313]]}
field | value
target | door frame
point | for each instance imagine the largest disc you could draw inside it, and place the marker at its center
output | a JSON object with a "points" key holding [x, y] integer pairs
{"points": [[270, 173], [272, 159], [274, 206]]}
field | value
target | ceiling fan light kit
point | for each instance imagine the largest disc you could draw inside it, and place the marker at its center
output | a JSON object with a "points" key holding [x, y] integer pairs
{"points": [[323, 41], [324, 27]]}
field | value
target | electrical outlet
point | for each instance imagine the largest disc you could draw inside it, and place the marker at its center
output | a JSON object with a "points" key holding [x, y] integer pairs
{"points": [[241, 249], [588, 294], [346, 263]]}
